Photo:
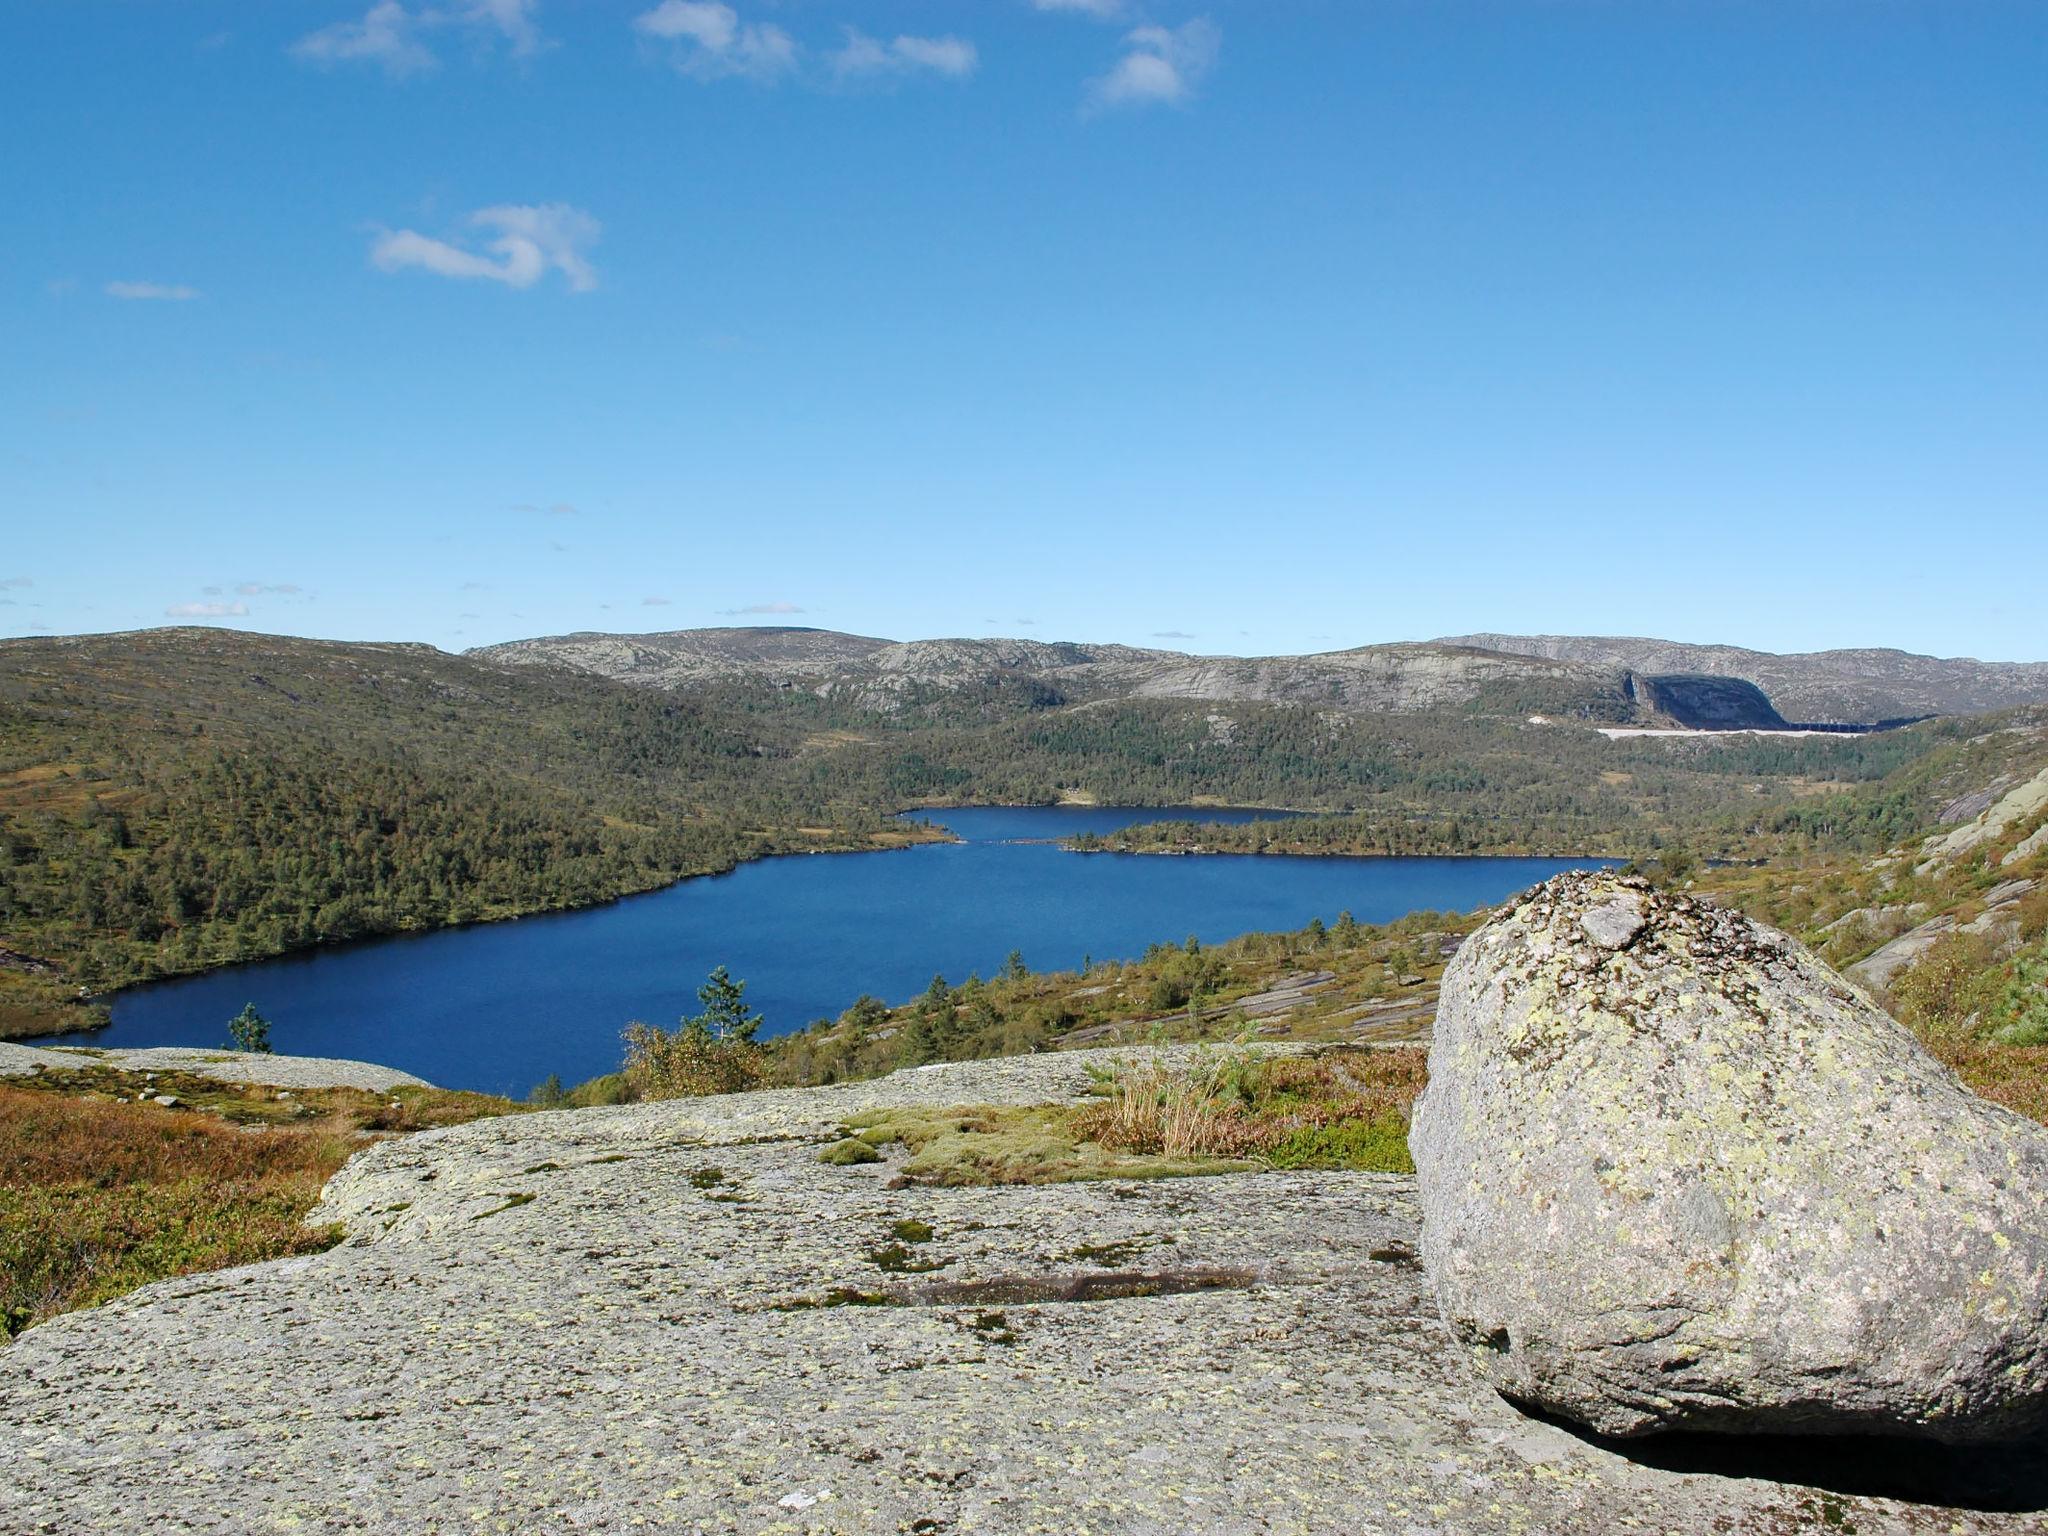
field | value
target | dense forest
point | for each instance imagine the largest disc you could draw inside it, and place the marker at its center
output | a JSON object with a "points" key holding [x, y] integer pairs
{"points": [[1740, 797], [175, 799], [179, 799]]}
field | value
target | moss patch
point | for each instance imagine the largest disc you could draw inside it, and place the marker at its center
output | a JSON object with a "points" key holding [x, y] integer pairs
{"points": [[1010, 1144]]}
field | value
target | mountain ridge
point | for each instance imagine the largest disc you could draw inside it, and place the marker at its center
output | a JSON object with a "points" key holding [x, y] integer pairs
{"points": [[1851, 686], [1621, 679]]}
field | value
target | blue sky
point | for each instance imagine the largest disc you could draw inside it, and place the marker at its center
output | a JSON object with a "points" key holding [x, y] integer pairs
{"points": [[1228, 326]]}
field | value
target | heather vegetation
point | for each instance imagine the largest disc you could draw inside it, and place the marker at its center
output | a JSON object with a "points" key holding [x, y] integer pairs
{"points": [[103, 1188]]}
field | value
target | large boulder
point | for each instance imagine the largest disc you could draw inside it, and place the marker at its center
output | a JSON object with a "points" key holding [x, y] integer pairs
{"points": [[1676, 1174]]}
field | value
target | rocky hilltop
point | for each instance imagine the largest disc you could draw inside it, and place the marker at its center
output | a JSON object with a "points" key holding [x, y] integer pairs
{"points": [[1847, 687], [676, 1317], [884, 675]]}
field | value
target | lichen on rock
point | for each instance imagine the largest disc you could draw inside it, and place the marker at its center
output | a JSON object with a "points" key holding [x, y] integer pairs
{"points": [[1676, 1174]]}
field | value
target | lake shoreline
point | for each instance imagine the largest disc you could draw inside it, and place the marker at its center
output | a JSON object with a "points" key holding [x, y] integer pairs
{"points": [[498, 1008], [926, 834]]}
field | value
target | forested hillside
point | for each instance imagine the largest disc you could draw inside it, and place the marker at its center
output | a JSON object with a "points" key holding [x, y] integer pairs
{"points": [[1714, 797], [181, 798], [175, 799]]}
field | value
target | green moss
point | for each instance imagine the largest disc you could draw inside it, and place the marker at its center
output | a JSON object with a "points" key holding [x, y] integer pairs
{"points": [[1370, 1146], [897, 1259], [512, 1202], [848, 1151], [841, 1296], [911, 1232], [1014, 1144], [993, 1327], [1111, 1255]]}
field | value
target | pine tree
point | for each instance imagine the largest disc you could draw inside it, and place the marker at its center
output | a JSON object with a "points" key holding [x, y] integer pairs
{"points": [[249, 1031]]}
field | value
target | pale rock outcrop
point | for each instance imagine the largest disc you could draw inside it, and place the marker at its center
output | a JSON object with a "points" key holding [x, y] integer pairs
{"points": [[2010, 810], [1998, 920], [2026, 847], [1676, 1174], [673, 1317], [257, 1067]]}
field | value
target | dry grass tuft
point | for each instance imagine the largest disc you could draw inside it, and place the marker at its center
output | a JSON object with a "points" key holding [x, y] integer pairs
{"points": [[1333, 1109]]}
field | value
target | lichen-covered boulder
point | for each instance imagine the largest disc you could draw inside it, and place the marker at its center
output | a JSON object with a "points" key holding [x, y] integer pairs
{"points": [[1676, 1174]]}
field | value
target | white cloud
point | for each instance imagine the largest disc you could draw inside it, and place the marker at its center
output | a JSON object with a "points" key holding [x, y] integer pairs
{"points": [[388, 35], [759, 608], [207, 611], [953, 57], [263, 589], [653, 602], [1102, 10], [18, 581], [392, 36], [174, 292], [710, 42], [513, 20], [529, 240], [1160, 65]]}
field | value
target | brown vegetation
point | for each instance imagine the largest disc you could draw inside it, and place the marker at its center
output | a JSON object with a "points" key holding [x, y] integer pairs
{"points": [[100, 1194]]}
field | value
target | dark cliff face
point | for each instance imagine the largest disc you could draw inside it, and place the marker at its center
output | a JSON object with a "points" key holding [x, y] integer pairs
{"points": [[1848, 687], [1708, 703]]}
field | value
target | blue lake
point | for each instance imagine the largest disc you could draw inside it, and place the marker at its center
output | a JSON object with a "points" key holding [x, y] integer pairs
{"points": [[500, 1006]]}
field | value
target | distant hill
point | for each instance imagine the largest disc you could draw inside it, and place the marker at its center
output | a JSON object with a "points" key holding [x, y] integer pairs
{"points": [[891, 678], [1822, 687], [1612, 680], [687, 656]]}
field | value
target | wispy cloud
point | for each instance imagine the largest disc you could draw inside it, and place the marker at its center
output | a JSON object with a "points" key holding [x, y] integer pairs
{"points": [[173, 292], [214, 610], [865, 56], [1160, 66], [394, 37], [1102, 10], [759, 608], [388, 35], [269, 589], [1173, 634], [555, 509], [529, 240], [707, 40], [18, 581], [653, 602]]}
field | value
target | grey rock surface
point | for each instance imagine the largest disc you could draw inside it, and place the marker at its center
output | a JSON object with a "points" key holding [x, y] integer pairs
{"points": [[2034, 842], [649, 1342], [222, 1066], [1838, 686], [25, 1060], [2010, 810], [1696, 1181], [1999, 920]]}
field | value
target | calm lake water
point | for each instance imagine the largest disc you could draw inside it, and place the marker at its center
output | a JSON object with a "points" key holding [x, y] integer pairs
{"points": [[500, 1006]]}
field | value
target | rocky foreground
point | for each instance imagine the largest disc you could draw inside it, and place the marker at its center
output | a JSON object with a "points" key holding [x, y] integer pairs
{"points": [[674, 1317]]}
